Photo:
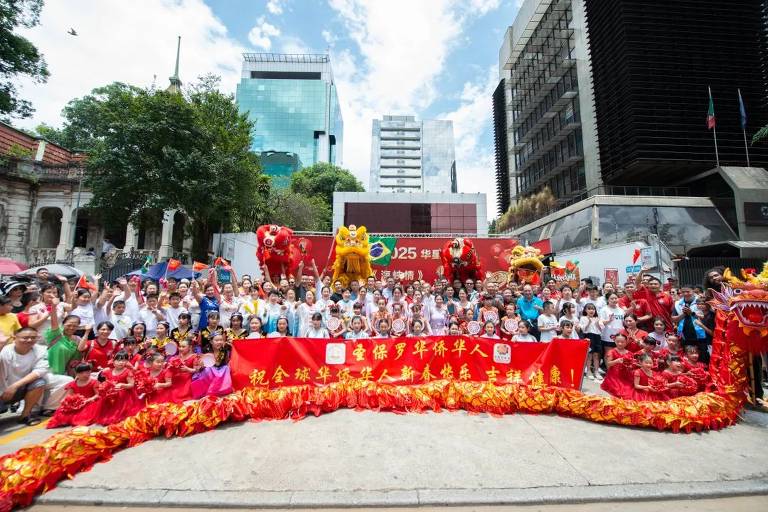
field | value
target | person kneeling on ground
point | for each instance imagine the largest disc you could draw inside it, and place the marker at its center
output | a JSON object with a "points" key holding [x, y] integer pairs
{"points": [[25, 375]]}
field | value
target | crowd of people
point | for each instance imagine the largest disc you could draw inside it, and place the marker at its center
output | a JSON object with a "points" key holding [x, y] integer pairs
{"points": [[103, 351]]}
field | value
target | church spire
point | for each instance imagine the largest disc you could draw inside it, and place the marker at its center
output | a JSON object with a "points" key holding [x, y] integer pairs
{"points": [[175, 85]]}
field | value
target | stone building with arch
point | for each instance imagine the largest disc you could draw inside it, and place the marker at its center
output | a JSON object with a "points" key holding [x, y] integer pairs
{"points": [[44, 214]]}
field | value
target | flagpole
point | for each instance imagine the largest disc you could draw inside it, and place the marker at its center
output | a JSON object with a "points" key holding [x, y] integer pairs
{"points": [[714, 128], [746, 148], [743, 119]]}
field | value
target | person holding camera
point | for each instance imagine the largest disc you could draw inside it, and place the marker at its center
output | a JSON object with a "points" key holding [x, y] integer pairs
{"points": [[685, 317]]}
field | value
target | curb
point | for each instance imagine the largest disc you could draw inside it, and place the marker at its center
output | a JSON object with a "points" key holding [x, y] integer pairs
{"points": [[85, 496]]}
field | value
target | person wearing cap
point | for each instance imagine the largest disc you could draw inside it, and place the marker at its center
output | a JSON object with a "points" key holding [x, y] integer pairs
{"points": [[9, 322], [14, 290]]}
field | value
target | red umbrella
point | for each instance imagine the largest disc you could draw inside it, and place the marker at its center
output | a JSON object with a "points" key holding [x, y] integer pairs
{"points": [[8, 266]]}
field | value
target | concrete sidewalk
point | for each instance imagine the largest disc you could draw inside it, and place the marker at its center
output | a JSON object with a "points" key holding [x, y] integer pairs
{"points": [[363, 459]]}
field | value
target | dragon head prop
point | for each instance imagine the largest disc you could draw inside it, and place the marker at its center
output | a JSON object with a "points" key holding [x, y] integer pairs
{"points": [[525, 264], [353, 259], [745, 301]]}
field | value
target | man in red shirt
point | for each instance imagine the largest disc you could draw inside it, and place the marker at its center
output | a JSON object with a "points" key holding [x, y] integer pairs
{"points": [[633, 305], [659, 303]]}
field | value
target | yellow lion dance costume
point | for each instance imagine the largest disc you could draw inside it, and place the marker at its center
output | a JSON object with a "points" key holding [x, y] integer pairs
{"points": [[525, 265], [353, 258]]}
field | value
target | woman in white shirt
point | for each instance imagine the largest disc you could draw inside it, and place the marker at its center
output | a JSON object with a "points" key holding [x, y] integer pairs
{"points": [[229, 304], [316, 329], [306, 311], [611, 320]]}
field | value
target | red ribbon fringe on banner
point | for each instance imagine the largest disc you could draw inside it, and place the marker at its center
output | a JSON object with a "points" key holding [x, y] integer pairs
{"points": [[36, 469]]}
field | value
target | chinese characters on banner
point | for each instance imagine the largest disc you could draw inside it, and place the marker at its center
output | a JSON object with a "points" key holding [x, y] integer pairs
{"points": [[276, 362]]}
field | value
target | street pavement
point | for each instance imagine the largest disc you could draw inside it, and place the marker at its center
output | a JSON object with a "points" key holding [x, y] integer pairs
{"points": [[735, 504], [359, 459]]}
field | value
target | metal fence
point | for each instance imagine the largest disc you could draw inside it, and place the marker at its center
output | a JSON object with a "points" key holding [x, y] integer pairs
{"points": [[691, 271], [120, 268]]}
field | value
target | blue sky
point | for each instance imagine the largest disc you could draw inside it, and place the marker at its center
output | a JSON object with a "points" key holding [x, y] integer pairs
{"points": [[431, 58]]}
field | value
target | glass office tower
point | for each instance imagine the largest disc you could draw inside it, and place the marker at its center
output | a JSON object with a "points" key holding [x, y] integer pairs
{"points": [[412, 156], [293, 104]]}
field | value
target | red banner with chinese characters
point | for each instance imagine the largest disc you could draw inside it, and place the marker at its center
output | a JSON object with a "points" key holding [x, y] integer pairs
{"points": [[419, 258], [276, 362]]}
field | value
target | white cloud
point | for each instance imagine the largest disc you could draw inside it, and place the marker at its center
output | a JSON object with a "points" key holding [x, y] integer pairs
{"points": [[275, 7], [402, 57], [261, 34], [329, 37], [485, 6], [138, 45], [292, 44]]}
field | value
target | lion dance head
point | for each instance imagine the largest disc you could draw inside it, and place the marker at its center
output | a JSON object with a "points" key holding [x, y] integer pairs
{"points": [[525, 264], [460, 260], [353, 259]]}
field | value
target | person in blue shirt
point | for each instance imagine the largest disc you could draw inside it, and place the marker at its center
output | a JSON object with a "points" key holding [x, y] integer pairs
{"points": [[530, 307], [209, 301]]}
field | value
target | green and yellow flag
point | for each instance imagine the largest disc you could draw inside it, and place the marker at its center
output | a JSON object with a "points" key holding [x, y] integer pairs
{"points": [[381, 248]]}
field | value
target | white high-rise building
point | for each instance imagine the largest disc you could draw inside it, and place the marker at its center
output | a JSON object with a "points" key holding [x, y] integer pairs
{"points": [[412, 156]]}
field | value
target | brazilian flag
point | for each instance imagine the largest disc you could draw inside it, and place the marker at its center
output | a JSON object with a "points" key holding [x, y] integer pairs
{"points": [[381, 248]]}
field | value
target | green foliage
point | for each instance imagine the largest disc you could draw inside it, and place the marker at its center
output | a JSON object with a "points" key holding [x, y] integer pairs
{"points": [[18, 56], [761, 134], [18, 152], [153, 149], [51, 134], [322, 180]]}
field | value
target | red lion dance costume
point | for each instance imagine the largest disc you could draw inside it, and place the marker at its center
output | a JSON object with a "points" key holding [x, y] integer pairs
{"points": [[460, 260], [278, 250]]}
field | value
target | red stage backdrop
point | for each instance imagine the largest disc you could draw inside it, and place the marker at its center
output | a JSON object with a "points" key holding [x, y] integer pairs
{"points": [[276, 362], [419, 258]]}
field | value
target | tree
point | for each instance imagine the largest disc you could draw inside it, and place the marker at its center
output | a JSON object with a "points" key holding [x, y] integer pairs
{"points": [[322, 180], [150, 149], [18, 56]]}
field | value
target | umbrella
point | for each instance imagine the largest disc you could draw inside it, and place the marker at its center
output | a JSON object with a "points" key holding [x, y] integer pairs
{"points": [[156, 271], [55, 269], [10, 267]]}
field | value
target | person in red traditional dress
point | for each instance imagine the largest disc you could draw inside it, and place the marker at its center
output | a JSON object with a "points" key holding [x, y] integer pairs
{"points": [[643, 376], [100, 350], [660, 303], [635, 336], [87, 405], [182, 371], [618, 379], [696, 369], [161, 377], [671, 374], [118, 406], [650, 349]]}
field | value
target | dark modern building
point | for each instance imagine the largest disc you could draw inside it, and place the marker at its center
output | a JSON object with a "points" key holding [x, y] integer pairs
{"points": [[605, 103], [652, 62]]}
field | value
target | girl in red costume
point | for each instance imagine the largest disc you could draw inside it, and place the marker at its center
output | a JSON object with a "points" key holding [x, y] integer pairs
{"points": [[618, 378], [643, 377], [80, 405], [161, 378], [123, 402], [183, 366], [672, 374]]}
